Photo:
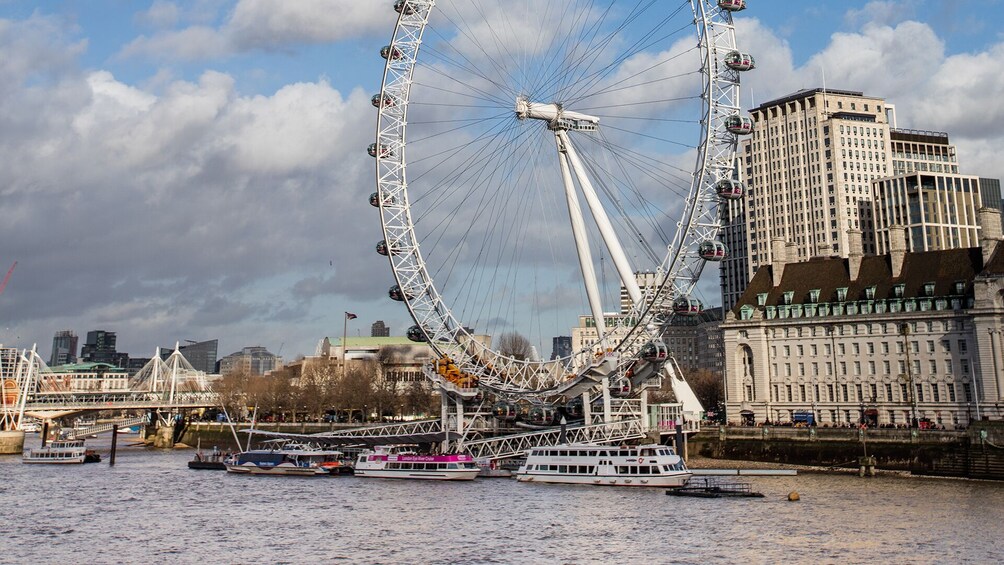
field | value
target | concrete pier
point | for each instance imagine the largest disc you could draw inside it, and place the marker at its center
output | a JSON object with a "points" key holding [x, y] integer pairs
{"points": [[11, 442], [164, 437]]}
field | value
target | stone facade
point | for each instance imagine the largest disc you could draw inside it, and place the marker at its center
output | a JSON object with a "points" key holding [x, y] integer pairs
{"points": [[881, 339]]}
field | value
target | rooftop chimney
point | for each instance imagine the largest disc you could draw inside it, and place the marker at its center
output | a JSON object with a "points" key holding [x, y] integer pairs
{"points": [[854, 253], [897, 248], [779, 257], [990, 231], [824, 249]]}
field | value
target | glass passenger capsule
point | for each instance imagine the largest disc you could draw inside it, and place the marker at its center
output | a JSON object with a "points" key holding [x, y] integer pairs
{"points": [[375, 200], [654, 351], [738, 61], [404, 7], [621, 388], [416, 334], [687, 306], [730, 189], [396, 293], [379, 101], [383, 249], [739, 125], [505, 411], [710, 250], [390, 52], [574, 409], [542, 415], [732, 5], [384, 152]]}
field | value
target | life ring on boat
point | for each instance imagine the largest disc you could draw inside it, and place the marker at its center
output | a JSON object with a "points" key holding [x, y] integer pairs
{"points": [[641, 459]]}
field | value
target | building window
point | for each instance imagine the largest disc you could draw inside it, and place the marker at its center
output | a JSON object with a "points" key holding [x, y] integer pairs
{"points": [[962, 346], [936, 392], [845, 393], [888, 392], [841, 294], [951, 392], [829, 390], [967, 391]]}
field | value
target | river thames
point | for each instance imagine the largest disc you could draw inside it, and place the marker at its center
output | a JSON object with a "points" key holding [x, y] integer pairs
{"points": [[150, 508]]}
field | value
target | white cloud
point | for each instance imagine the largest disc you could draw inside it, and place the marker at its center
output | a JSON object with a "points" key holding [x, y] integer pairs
{"points": [[161, 14], [171, 214], [880, 12], [269, 25]]}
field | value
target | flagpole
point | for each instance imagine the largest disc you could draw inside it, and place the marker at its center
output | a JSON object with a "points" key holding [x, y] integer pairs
{"points": [[345, 330]]}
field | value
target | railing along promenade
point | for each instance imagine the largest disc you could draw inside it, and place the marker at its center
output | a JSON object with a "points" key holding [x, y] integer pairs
{"points": [[872, 435]]}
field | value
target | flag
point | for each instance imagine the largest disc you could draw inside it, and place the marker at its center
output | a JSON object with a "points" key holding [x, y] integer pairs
{"points": [[350, 316]]}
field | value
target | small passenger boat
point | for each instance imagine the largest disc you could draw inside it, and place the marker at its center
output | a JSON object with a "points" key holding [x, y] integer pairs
{"points": [[401, 462], [289, 459], [215, 460], [651, 465], [65, 451]]}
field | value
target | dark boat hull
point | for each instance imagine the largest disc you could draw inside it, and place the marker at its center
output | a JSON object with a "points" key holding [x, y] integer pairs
{"points": [[207, 465]]}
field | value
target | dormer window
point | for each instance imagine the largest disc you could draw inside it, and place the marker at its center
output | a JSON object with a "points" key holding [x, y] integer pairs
{"points": [[842, 294], [960, 287], [898, 290], [761, 299], [870, 293], [788, 295], [814, 295], [929, 289]]}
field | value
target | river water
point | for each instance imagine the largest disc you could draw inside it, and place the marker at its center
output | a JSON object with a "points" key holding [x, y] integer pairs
{"points": [[150, 508]]}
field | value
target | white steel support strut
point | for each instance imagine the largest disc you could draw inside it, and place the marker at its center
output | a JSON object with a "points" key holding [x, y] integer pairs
{"points": [[603, 222], [579, 232]]}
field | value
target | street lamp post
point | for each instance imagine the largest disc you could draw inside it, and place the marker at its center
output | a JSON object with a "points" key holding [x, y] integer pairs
{"points": [[904, 330]]}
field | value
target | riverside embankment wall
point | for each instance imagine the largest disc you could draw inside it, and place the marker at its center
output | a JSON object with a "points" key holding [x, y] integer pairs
{"points": [[975, 453]]}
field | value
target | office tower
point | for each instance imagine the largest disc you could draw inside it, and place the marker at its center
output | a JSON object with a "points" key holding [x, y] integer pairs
{"points": [[379, 329], [561, 346], [64, 348], [100, 348], [200, 354], [808, 169]]}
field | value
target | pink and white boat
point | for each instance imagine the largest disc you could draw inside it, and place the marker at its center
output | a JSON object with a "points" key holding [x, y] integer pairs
{"points": [[398, 462]]}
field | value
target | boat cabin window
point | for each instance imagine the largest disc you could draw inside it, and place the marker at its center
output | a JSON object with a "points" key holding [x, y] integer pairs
{"points": [[592, 454]]}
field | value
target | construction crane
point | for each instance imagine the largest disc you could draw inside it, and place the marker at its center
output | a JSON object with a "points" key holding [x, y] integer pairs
{"points": [[3, 285]]}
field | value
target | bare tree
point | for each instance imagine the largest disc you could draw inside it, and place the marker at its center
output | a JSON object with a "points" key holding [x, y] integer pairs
{"points": [[232, 389], [512, 344], [316, 389], [709, 387]]}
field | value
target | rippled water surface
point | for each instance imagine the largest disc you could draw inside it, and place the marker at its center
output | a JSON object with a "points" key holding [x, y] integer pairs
{"points": [[151, 508]]}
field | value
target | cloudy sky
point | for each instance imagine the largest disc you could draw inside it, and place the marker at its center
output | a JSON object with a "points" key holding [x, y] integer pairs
{"points": [[197, 170]]}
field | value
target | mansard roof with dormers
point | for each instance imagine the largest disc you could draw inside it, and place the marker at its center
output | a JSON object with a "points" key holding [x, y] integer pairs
{"points": [[931, 280]]}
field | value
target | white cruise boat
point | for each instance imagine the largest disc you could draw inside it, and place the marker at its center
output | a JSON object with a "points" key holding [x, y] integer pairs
{"points": [[398, 462], [61, 452], [651, 465]]}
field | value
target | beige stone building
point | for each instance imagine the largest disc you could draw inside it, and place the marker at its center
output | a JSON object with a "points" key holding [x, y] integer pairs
{"points": [[882, 339]]}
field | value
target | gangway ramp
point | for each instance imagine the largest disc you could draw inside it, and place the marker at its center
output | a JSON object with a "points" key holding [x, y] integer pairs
{"points": [[106, 427]]}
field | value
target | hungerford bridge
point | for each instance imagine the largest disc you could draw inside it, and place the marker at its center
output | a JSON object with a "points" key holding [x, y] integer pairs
{"points": [[166, 388]]}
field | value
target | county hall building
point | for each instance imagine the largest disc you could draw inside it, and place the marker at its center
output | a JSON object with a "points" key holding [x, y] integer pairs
{"points": [[878, 339]]}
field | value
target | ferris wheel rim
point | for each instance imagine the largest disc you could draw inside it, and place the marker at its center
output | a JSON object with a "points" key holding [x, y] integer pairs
{"points": [[425, 304]]}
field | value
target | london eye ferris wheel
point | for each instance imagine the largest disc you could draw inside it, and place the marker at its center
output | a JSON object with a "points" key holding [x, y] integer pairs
{"points": [[533, 159]]}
